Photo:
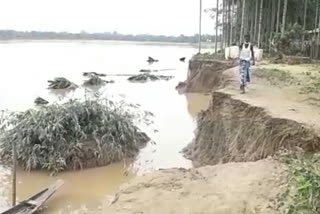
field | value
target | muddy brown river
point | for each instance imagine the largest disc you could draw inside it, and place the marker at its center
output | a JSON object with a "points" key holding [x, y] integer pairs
{"points": [[25, 69]]}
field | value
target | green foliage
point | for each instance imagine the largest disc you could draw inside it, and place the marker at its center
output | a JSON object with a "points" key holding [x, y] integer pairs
{"points": [[314, 86], [73, 135], [289, 44], [303, 195]]}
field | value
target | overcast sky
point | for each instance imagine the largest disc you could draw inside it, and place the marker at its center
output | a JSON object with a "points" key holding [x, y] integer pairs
{"points": [[168, 17]]}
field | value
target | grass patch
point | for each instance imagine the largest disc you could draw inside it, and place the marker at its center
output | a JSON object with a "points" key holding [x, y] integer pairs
{"points": [[303, 195], [314, 85], [274, 76], [74, 135], [210, 56]]}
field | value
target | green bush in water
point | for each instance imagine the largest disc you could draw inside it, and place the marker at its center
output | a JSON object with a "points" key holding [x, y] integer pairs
{"points": [[96, 81], [148, 77], [61, 83], [40, 101], [74, 135]]}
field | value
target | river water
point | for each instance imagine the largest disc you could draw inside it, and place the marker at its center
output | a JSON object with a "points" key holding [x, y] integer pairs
{"points": [[27, 65]]}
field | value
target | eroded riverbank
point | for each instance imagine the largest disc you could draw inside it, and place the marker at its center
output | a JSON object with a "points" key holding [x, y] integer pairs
{"points": [[241, 128]]}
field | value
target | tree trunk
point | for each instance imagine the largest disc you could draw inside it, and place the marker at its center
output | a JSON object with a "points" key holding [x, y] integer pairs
{"points": [[238, 21], [305, 17], [217, 26], [273, 15], [284, 16], [200, 25], [278, 16], [318, 30], [256, 21], [242, 20], [260, 23], [231, 23], [318, 36], [252, 21], [316, 49], [316, 19], [246, 18], [268, 20], [223, 27]]}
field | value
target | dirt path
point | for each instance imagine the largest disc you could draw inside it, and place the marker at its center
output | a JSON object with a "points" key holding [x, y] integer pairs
{"points": [[233, 188], [284, 101]]}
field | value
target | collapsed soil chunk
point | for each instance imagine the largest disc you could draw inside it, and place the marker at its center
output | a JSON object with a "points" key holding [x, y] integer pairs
{"points": [[205, 74], [234, 131], [148, 77]]}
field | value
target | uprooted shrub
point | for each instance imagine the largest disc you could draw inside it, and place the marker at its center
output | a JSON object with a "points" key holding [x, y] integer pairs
{"points": [[93, 74], [74, 135], [40, 101], [96, 81], [61, 83], [148, 77]]}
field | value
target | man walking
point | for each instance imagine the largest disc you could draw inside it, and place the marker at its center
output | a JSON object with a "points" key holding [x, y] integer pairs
{"points": [[246, 55]]}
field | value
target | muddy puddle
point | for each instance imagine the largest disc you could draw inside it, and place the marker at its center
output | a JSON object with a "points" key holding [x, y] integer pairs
{"points": [[88, 191]]}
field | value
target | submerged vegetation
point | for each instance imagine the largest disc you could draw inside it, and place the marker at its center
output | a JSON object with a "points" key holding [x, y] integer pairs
{"points": [[61, 83], [303, 195], [74, 135], [148, 77], [40, 101], [96, 81], [93, 74]]}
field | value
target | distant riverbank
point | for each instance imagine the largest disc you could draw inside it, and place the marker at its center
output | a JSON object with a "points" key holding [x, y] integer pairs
{"points": [[115, 36]]}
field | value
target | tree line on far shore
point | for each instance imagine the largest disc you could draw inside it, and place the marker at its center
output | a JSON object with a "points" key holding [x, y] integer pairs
{"points": [[37, 35]]}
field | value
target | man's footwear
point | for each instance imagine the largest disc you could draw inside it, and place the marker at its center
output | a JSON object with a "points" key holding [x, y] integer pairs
{"points": [[242, 88]]}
